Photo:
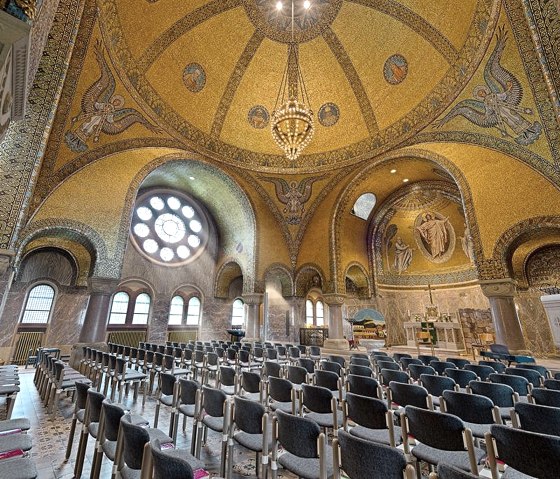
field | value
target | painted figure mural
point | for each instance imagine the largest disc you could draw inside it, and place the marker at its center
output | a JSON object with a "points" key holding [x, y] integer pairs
{"points": [[403, 255], [102, 111], [467, 244], [498, 103], [435, 236]]}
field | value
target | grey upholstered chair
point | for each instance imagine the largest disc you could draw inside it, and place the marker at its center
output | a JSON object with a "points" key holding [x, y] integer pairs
{"points": [[445, 471], [545, 397], [306, 452], [461, 376], [363, 386], [170, 463], [530, 453], [501, 395], [319, 404], [281, 395], [536, 418], [362, 459], [373, 421]]}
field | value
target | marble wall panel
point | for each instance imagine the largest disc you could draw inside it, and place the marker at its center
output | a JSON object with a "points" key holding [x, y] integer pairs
{"points": [[395, 305], [534, 321]]}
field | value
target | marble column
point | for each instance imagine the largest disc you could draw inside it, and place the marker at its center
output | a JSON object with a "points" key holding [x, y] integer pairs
{"points": [[336, 337], [500, 294], [6, 277], [97, 312], [253, 302]]}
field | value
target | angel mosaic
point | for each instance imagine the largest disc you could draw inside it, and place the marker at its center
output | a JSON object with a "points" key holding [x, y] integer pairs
{"points": [[102, 111], [293, 195], [498, 103]]}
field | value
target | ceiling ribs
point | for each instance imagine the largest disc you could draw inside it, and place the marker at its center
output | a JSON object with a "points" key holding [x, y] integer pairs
{"points": [[416, 23], [353, 78], [234, 80], [182, 26]]}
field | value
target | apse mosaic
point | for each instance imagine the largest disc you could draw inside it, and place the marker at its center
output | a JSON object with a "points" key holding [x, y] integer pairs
{"points": [[395, 69], [497, 104], [258, 117], [328, 114], [194, 77], [103, 111]]}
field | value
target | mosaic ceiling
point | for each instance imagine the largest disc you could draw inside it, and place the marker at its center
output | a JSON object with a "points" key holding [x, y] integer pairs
{"points": [[377, 71]]}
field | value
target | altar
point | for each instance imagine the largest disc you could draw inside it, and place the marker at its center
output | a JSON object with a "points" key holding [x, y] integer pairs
{"points": [[446, 335]]}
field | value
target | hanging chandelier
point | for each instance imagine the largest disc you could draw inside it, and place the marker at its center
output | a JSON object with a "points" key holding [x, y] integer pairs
{"points": [[292, 118]]}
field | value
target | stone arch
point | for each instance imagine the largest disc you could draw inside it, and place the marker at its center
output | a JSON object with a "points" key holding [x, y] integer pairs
{"points": [[51, 262], [358, 275], [282, 273], [309, 276], [91, 259], [228, 272], [515, 236], [348, 195]]}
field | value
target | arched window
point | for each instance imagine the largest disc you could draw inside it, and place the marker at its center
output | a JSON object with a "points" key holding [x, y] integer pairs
{"points": [[119, 307], [141, 309], [176, 311], [238, 313], [319, 313], [193, 311], [39, 304], [309, 312]]}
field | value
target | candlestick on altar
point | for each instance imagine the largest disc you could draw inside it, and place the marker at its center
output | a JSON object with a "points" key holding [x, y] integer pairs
{"points": [[430, 293]]}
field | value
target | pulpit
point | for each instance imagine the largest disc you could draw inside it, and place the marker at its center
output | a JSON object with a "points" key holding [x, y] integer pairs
{"points": [[236, 334]]}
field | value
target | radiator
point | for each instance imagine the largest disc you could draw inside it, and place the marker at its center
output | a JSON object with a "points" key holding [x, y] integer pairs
{"points": [[26, 341], [126, 338], [181, 336]]}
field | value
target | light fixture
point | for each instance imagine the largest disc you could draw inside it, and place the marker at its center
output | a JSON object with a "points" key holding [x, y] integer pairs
{"points": [[307, 4], [406, 180], [393, 171], [279, 6], [292, 120]]}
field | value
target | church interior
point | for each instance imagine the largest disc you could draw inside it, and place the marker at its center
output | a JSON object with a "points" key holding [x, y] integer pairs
{"points": [[292, 183]]}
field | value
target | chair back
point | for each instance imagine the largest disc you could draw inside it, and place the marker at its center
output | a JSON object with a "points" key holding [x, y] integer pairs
{"points": [[552, 384], [441, 366], [436, 429], [398, 356], [81, 395], [542, 370], [406, 362], [537, 418], [546, 397], [360, 361], [459, 362], [167, 383], [416, 370], [280, 389], [337, 359], [327, 379], [435, 385], [112, 414], [213, 401], [188, 388], [534, 377], [134, 439], [314, 351], [519, 384], [445, 471], [331, 366], [272, 369], [530, 453], [248, 415], [461, 376], [360, 370], [361, 459], [365, 411], [362, 385], [227, 376], [495, 365], [500, 394], [297, 435], [250, 382], [469, 407], [169, 466], [297, 374], [94, 401], [426, 358], [308, 364], [388, 365], [316, 398], [405, 394], [388, 375], [482, 371]]}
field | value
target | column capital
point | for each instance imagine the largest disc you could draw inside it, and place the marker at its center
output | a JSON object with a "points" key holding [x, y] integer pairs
{"points": [[6, 257], [102, 285], [334, 299], [252, 299], [499, 288]]}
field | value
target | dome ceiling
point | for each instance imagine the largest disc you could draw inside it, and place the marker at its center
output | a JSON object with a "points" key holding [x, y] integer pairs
{"points": [[377, 71]]}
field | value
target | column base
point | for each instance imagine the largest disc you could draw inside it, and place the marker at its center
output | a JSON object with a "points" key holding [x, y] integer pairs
{"points": [[341, 344]]}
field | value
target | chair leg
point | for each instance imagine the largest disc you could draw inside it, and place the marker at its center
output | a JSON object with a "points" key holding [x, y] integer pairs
{"points": [[156, 418], [78, 468], [97, 460], [71, 437], [223, 457]]}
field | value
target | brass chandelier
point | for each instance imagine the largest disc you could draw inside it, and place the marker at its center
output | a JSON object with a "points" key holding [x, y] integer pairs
{"points": [[292, 118]]}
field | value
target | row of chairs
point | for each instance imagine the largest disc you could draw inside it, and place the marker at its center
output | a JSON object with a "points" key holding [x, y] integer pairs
{"points": [[9, 386], [15, 446]]}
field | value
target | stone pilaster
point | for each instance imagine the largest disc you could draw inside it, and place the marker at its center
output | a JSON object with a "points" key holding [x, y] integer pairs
{"points": [[97, 312], [336, 337], [253, 302], [501, 293], [6, 276]]}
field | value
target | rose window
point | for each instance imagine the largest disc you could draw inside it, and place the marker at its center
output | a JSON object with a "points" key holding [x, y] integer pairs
{"points": [[168, 228]]}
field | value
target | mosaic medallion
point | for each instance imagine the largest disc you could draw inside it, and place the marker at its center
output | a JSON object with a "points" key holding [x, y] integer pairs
{"points": [[258, 117], [276, 24], [328, 114], [194, 77], [395, 69]]}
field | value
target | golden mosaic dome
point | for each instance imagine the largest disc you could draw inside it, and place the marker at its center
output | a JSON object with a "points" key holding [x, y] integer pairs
{"points": [[377, 71]]}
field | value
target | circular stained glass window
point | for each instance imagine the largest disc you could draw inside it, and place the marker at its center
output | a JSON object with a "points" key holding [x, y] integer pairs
{"points": [[168, 228]]}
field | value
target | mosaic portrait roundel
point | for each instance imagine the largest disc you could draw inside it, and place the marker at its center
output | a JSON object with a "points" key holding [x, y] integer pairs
{"points": [[194, 77], [258, 117], [328, 114], [395, 69]]}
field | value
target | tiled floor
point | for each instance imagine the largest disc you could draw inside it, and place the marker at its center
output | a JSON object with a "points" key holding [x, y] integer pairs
{"points": [[50, 437]]}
